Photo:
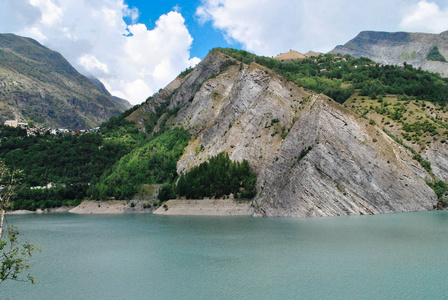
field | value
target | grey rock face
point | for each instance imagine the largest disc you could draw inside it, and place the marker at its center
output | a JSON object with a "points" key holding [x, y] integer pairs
{"points": [[312, 156], [437, 155], [345, 172]]}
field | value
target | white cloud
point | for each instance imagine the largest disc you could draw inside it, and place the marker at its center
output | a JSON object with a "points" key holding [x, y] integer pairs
{"points": [[257, 24], [17, 14], [132, 89], [425, 16], [92, 64], [51, 13], [133, 62]]}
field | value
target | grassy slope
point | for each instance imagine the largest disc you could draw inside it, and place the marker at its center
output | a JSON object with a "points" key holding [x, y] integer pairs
{"points": [[418, 123]]}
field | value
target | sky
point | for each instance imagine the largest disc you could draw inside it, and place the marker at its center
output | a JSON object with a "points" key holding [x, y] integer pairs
{"points": [[136, 47]]}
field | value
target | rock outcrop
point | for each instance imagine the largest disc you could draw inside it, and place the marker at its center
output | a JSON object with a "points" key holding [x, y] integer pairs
{"points": [[437, 155], [312, 156]]}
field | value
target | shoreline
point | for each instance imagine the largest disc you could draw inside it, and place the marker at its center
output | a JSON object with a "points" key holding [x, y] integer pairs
{"points": [[181, 207], [205, 207], [62, 209]]}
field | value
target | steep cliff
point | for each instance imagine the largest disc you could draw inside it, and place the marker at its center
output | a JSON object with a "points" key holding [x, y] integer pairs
{"points": [[312, 156]]}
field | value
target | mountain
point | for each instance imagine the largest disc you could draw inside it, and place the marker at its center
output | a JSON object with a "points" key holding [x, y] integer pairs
{"points": [[312, 155], [428, 51], [291, 55], [295, 55], [38, 84]]}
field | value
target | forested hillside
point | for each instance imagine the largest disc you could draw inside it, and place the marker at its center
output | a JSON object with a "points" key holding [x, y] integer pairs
{"points": [[68, 162], [339, 77]]}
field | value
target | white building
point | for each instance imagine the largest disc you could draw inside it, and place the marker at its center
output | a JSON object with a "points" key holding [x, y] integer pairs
{"points": [[11, 123]]}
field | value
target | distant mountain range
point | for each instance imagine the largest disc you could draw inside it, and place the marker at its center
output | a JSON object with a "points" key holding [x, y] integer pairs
{"points": [[425, 50], [39, 85]]}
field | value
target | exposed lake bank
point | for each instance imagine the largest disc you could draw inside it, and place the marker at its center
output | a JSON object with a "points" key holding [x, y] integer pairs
{"points": [[87, 207], [62, 209], [179, 207], [202, 207], [206, 207]]}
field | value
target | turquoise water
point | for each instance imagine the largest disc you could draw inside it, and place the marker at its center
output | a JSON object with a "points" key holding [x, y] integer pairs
{"points": [[395, 256]]}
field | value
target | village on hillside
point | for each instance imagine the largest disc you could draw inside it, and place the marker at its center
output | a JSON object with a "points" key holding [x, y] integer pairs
{"points": [[31, 130]]}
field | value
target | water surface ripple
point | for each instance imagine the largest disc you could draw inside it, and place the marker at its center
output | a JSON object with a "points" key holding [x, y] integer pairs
{"points": [[392, 256]]}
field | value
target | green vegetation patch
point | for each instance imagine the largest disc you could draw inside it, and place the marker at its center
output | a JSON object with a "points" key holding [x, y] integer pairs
{"points": [[69, 163], [160, 117], [418, 123], [435, 55], [119, 131], [218, 177], [340, 77], [11, 132], [441, 189], [154, 162], [186, 72]]}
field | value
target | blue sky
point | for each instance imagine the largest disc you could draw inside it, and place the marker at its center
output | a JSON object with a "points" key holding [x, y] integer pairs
{"points": [[204, 36], [136, 47]]}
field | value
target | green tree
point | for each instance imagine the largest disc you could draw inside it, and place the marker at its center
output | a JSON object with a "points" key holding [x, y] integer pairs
{"points": [[217, 177], [14, 257], [166, 192]]}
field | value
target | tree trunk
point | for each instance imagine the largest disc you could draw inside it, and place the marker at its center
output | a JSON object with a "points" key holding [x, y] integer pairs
{"points": [[1, 223]]}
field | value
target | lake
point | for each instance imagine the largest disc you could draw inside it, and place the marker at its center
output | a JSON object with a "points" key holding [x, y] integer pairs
{"points": [[132, 256]]}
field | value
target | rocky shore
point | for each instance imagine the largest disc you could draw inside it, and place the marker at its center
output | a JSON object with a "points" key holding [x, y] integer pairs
{"points": [[100, 207], [203, 207], [206, 207], [62, 209]]}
